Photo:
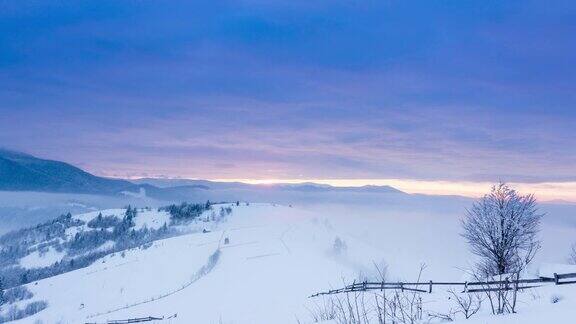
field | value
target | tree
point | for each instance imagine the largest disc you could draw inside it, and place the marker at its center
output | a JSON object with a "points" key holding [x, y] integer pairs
{"points": [[24, 277], [127, 221], [1, 291], [129, 215], [572, 258], [502, 230]]}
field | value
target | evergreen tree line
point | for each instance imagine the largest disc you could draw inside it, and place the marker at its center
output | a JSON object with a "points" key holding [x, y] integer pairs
{"points": [[185, 212], [86, 246], [16, 244]]}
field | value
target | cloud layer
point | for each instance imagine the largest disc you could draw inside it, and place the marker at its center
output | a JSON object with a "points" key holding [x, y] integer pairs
{"points": [[458, 91]]}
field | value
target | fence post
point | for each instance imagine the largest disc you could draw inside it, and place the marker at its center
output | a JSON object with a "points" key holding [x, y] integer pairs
{"points": [[402, 287], [466, 286], [556, 279], [430, 287]]}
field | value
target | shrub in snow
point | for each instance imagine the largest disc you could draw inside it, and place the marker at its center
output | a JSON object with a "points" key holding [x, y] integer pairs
{"points": [[397, 306], [324, 311], [555, 299], [339, 247], [466, 303], [224, 212]]}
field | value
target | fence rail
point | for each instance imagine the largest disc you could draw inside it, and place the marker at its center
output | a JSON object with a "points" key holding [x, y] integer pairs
{"points": [[506, 284], [132, 320]]}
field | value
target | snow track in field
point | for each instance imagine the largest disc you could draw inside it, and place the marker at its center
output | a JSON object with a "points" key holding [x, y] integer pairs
{"points": [[204, 270], [281, 238]]}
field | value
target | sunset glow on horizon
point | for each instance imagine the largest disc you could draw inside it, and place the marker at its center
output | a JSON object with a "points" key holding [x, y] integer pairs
{"points": [[546, 191]]}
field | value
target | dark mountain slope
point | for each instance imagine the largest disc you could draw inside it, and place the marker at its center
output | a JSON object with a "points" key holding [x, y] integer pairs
{"points": [[23, 172]]}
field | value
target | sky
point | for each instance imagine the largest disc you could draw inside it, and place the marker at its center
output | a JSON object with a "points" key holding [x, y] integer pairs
{"points": [[440, 92]]}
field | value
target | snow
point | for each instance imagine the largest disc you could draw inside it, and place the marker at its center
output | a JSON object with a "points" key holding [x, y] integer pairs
{"points": [[71, 231], [104, 247], [39, 260], [276, 257], [151, 219], [538, 309], [121, 279], [86, 217], [547, 270]]}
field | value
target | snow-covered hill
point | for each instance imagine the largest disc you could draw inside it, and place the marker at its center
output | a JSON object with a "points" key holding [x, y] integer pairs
{"points": [[260, 264]]}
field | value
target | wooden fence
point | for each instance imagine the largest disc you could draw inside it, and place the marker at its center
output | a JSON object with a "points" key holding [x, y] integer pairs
{"points": [[474, 286], [133, 320]]}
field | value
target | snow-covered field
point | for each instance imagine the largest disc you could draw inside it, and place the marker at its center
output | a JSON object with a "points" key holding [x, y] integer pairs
{"points": [[272, 257], [37, 259]]}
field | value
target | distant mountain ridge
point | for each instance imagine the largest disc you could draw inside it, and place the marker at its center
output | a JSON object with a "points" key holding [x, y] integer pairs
{"points": [[24, 172], [167, 183]]}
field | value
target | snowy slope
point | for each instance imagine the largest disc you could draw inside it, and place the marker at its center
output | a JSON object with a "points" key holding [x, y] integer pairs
{"points": [[37, 259], [549, 304], [269, 246], [276, 257]]}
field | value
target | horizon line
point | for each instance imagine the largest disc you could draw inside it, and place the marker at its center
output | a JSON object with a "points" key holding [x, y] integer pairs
{"points": [[551, 191]]}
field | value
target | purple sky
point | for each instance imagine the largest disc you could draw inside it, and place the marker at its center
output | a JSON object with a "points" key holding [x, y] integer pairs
{"points": [[451, 90]]}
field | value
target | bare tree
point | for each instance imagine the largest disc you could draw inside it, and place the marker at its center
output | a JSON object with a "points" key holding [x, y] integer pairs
{"points": [[467, 304], [502, 229], [324, 311], [572, 257]]}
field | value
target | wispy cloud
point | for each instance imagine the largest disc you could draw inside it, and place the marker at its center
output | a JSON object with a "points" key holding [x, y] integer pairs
{"points": [[293, 90]]}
